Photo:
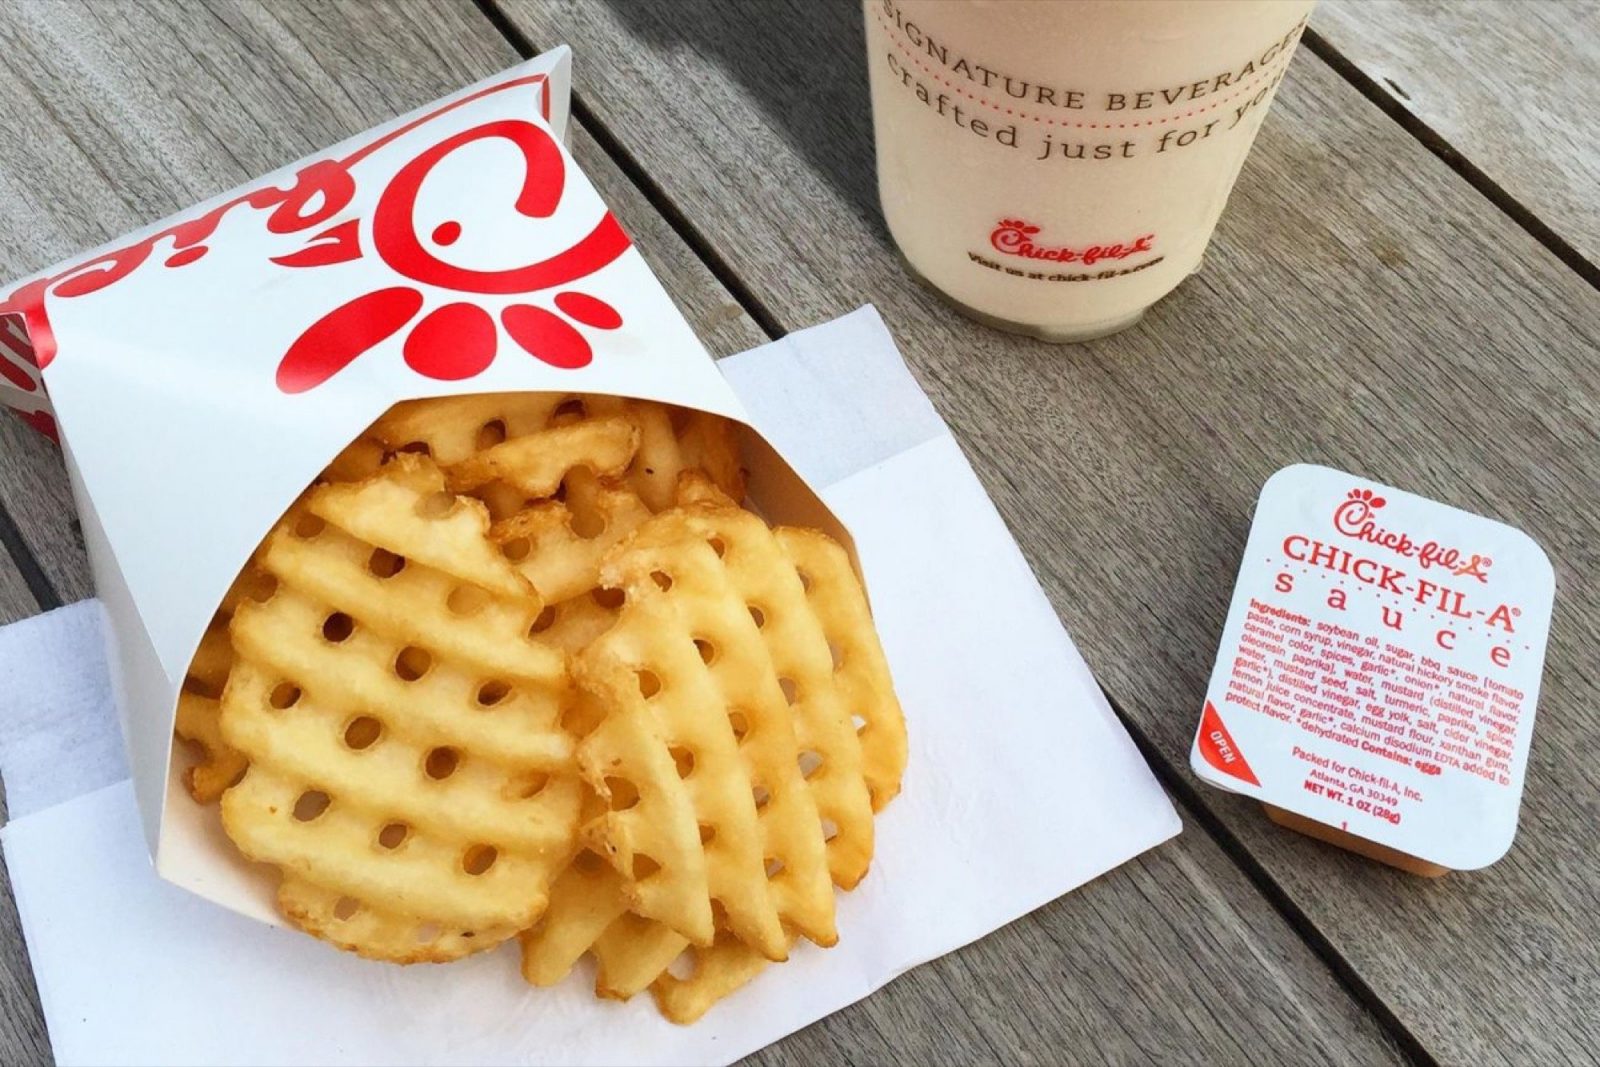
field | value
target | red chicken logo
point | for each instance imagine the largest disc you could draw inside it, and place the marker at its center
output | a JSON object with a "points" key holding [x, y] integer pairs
{"points": [[458, 339], [454, 340]]}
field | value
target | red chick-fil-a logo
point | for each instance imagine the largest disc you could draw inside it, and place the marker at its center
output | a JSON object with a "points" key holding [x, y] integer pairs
{"points": [[1355, 516], [1014, 237], [459, 339], [453, 341]]}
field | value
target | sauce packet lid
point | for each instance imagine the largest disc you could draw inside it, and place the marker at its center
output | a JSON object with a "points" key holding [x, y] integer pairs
{"points": [[1380, 666]]}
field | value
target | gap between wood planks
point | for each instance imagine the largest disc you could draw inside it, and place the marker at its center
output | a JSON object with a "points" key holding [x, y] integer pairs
{"points": [[1434, 142], [12, 543], [1170, 777]]}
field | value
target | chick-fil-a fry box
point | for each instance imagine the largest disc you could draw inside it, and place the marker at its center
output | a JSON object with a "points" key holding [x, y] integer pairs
{"points": [[1379, 670], [201, 372]]}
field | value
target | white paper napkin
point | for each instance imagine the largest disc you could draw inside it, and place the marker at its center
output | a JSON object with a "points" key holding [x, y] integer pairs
{"points": [[1021, 786]]}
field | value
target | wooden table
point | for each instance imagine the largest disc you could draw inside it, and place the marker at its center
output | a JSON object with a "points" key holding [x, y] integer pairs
{"points": [[1404, 285]]}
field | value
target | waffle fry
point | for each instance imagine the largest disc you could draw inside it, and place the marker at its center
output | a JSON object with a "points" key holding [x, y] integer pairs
{"points": [[474, 585], [451, 429], [588, 913], [862, 682], [557, 545], [673, 442], [812, 628], [535, 463], [860, 670], [408, 771], [710, 448], [713, 973], [358, 461], [818, 631], [458, 431], [199, 716], [720, 657], [687, 744]]}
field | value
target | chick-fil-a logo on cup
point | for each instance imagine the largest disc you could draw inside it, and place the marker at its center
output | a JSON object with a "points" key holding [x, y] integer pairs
{"points": [[1356, 516], [1014, 237]]}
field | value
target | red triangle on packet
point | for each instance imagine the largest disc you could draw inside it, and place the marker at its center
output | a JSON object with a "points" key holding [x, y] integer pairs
{"points": [[1217, 747]]}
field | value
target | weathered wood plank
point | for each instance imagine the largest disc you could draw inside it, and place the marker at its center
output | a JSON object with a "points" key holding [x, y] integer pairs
{"points": [[16, 599], [1508, 83], [1361, 306], [272, 69], [34, 481]]}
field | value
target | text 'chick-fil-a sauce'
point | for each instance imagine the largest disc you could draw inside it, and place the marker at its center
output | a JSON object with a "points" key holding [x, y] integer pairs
{"points": [[1379, 670]]}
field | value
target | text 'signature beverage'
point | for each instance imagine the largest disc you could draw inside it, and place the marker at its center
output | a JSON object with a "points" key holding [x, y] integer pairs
{"points": [[1057, 166]]}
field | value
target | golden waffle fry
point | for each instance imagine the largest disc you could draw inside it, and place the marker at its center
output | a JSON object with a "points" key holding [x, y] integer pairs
{"points": [[407, 510], [588, 913], [593, 916], [861, 675], [808, 649], [713, 973], [536, 463], [455, 428], [654, 473], [699, 724], [253, 583], [408, 771], [199, 702], [574, 623], [672, 442], [862, 679], [199, 716], [861, 672], [358, 461], [557, 545], [458, 431], [710, 445]]}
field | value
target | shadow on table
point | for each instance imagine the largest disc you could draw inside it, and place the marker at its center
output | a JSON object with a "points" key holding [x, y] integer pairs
{"points": [[803, 63]]}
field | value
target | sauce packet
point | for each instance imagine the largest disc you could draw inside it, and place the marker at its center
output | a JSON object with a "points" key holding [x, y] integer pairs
{"points": [[1379, 670]]}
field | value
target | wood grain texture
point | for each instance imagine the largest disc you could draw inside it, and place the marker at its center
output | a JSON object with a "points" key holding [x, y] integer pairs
{"points": [[1109, 972], [1361, 306], [16, 599], [1509, 84]]}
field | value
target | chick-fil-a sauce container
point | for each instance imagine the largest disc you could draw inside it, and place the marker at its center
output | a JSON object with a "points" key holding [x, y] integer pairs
{"points": [[1379, 670]]}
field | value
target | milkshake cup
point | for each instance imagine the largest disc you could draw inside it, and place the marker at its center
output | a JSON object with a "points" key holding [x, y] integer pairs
{"points": [[1055, 167]]}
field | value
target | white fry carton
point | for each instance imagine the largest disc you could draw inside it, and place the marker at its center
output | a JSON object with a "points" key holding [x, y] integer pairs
{"points": [[202, 371]]}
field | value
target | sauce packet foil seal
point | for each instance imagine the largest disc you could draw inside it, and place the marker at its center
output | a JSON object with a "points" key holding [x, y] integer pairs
{"points": [[1379, 671]]}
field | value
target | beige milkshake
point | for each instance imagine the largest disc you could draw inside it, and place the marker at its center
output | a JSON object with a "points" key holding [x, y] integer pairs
{"points": [[1057, 166]]}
